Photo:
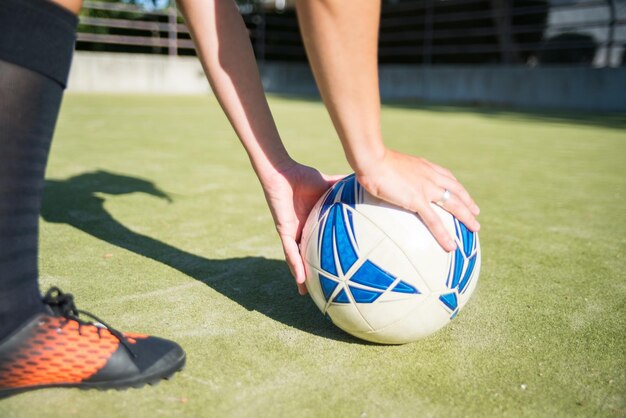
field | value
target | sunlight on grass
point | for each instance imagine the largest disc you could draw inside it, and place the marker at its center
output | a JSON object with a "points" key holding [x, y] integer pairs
{"points": [[154, 220]]}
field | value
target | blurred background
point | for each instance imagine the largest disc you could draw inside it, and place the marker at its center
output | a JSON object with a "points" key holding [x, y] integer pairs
{"points": [[557, 54]]}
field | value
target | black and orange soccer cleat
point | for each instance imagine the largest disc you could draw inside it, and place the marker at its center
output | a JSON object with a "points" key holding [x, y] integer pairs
{"points": [[59, 349]]}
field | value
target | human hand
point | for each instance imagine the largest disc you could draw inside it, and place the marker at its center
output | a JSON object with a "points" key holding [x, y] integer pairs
{"points": [[291, 192], [414, 183]]}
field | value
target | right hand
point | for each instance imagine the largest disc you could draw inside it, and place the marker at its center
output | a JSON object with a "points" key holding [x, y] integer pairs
{"points": [[291, 192], [414, 183]]}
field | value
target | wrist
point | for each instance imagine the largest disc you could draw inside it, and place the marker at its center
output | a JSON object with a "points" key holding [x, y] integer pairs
{"points": [[366, 161], [267, 169]]}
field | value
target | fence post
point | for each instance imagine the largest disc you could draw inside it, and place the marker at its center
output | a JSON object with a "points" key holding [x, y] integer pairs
{"points": [[611, 38], [172, 30], [502, 15], [428, 33], [259, 21]]}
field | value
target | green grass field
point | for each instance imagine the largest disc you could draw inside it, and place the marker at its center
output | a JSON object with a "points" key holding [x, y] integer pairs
{"points": [[154, 220]]}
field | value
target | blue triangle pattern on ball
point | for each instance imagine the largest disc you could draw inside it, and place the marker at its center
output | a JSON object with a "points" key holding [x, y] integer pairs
{"points": [[339, 250], [345, 248], [456, 267], [462, 265], [450, 300], [369, 274], [350, 190], [329, 200], [463, 259], [364, 296], [468, 273], [403, 287], [328, 286], [336, 236], [342, 297], [350, 193]]}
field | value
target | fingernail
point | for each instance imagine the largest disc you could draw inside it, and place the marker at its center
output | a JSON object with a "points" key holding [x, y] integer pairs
{"points": [[476, 225], [451, 245], [476, 210]]}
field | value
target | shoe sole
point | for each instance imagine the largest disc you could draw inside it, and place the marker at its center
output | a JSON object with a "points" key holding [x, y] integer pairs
{"points": [[148, 378]]}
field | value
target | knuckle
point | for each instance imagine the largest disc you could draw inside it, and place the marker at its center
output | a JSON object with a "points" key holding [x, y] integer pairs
{"points": [[460, 192], [464, 194], [415, 203], [430, 218], [456, 187]]}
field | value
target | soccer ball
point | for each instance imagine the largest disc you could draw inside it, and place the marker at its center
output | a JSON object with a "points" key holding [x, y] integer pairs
{"points": [[377, 271]]}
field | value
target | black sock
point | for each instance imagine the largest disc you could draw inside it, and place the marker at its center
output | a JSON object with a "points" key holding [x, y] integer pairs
{"points": [[36, 46]]}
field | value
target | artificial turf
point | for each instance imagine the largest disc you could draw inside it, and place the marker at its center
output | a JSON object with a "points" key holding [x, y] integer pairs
{"points": [[154, 220]]}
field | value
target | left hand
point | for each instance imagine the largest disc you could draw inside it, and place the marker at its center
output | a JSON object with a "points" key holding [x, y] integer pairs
{"points": [[291, 192]]}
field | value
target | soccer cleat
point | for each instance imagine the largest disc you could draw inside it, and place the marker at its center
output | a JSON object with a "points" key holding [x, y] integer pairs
{"points": [[59, 349]]}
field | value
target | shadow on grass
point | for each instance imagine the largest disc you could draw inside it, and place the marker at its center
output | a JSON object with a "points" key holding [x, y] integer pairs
{"points": [[256, 283], [504, 113]]}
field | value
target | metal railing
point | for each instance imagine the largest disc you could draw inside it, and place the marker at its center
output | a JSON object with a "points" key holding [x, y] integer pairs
{"points": [[428, 32], [157, 31]]}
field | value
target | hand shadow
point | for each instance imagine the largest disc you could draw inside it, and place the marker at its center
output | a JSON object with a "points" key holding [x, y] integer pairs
{"points": [[256, 283]]}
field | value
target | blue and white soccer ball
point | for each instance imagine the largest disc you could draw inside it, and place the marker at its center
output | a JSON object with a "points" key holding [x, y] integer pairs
{"points": [[377, 271]]}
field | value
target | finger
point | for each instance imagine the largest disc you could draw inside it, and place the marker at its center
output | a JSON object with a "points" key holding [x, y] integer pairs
{"points": [[455, 206], [459, 191], [295, 263], [435, 225], [302, 290], [442, 170]]}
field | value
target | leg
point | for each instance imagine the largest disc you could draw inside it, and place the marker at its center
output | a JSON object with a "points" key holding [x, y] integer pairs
{"points": [[44, 342], [33, 72]]}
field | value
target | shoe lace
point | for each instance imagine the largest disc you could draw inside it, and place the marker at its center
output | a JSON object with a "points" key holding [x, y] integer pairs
{"points": [[62, 304]]}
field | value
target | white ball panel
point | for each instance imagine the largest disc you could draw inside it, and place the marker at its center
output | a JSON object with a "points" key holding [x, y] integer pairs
{"points": [[410, 234], [310, 249], [381, 313], [388, 256], [427, 317], [367, 235], [347, 317]]}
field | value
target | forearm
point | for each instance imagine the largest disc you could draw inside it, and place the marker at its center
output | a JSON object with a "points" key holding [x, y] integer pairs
{"points": [[224, 48], [341, 38]]}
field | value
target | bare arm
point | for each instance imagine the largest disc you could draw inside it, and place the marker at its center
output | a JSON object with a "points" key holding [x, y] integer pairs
{"points": [[223, 45], [341, 39], [291, 189]]}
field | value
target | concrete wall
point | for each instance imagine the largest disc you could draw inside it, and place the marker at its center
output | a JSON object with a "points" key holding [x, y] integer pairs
{"points": [[566, 88], [94, 72], [588, 89]]}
